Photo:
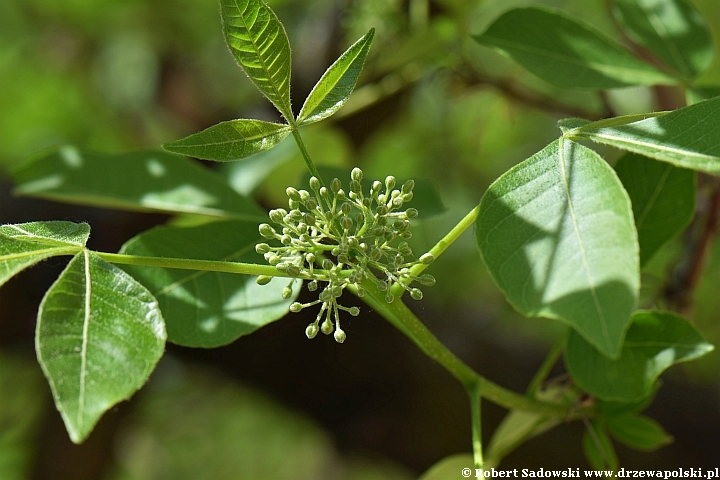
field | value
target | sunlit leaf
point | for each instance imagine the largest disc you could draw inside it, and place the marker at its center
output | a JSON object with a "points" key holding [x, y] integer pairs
{"points": [[337, 83], [99, 335], [663, 199], [654, 342], [567, 52], [638, 432], [673, 30], [231, 140], [144, 181], [208, 309], [260, 45], [557, 234], [687, 137], [26, 244]]}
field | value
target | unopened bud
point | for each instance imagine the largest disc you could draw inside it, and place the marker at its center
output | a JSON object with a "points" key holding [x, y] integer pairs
{"points": [[339, 336], [311, 331], [312, 286], [314, 183], [286, 293], [293, 194], [356, 174], [354, 311], [416, 294], [335, 185], [411, 213], [408, 186], [389, 297], [262, 248], [263, 279], [389, 182], [295, 307], [311, 203], [327, 327], [427, 258], [267, 231]]}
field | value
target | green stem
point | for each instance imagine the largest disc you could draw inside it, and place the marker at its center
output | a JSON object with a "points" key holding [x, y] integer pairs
{"points": [[548, 363], [306, 156], [476, 425], [441, 246], [400, 316], [191, 264]]}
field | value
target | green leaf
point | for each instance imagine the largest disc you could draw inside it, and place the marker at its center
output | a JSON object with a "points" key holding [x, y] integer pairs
{"points": [[230, 140], [654, 342], [673, 30], [260, 45], [208, 309], [26, 244], [638, 432], [598, 448], [144, 181], [567, 52], [698, 94], [557, 234], [687, 137], [99, 335], [337, 83], [663, 200], [450, 468]]}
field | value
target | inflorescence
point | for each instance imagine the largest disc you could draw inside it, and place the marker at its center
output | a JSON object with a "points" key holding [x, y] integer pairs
{"points": [[343, 239]]}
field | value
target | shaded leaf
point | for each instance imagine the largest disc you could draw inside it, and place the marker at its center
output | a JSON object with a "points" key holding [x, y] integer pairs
{"points": [[598, 448], [687, 137], [208, 309], [260, 45], [673, 30], [449, 468], [144, 181], [698, 94], [231, 140], [557, 235], [26, 244], [663, 200], [654, 342], [337, 83], [99, 335], [638, 432], [567, 52]]}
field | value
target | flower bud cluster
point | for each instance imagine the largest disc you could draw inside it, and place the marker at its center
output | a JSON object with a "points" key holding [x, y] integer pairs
{"points": [[342, 239]]}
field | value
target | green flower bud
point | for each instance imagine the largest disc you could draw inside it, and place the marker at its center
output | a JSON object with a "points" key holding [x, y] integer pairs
{"points": [[335, 185], [397, 202], [345, 208], [354, 311], [310, 258], [356, 174], [376, 186], [382, 210], [311, 331], [293, 204], [416, 294], [360, 291], [346, 222], [411, 213], [293, 194], [426, 279], [286, 293], [327, 264], [407, 197], [286, 239], [389, 297], [295, 307], [293, 270], [325, 296], [389, 183], [312, 286], [262, 248], [314, 183], [339, 336], [267, 231], [304, 195], [427, 258], [327, 327], [311, 203], [309, 219], [277, 216], [263, 279], [408, 186], [342, 258], [406, 235], [355, 186]]}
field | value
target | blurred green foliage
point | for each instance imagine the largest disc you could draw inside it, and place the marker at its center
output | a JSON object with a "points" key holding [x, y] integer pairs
{"points": [[121, 75]]}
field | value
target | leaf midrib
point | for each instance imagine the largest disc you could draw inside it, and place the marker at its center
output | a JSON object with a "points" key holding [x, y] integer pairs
{"points": [[583, 254], [262, 62], [85, 341]]}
